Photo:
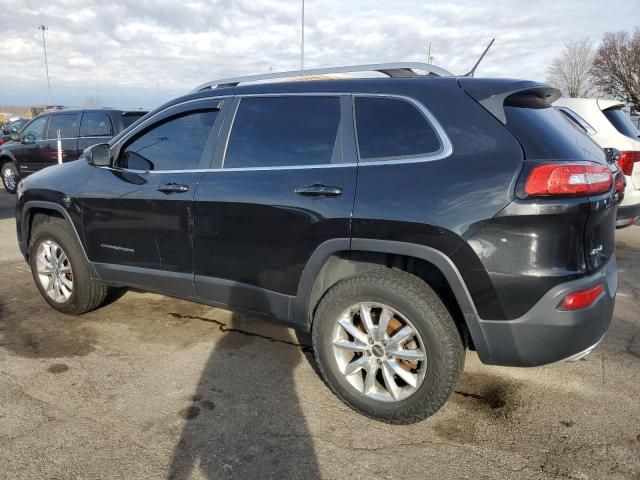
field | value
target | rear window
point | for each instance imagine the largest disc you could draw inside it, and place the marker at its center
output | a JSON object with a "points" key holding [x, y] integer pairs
{"points": [[391, 128], [545, 133], [622, 122]]}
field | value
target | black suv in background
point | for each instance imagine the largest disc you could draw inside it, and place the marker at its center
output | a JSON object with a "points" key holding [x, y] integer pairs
{"points": [[35, 147], [399, 220]]}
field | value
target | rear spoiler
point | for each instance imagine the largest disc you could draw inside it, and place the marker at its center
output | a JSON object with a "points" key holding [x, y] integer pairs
{"points": [[491, 93]]}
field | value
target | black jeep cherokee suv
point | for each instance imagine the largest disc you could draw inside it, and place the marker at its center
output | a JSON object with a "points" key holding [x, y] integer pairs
{"points": [[400, 220], [35, 146]]}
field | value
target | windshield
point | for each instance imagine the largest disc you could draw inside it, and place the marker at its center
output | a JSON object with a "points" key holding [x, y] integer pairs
{"points": [[622, 122]]}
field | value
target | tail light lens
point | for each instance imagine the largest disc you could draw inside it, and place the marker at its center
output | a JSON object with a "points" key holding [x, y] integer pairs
{"points": [[582, 298], [626, 161], [568, 178]]}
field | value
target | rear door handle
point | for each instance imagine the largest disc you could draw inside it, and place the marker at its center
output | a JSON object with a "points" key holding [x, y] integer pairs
{"points": [[173, 188], [317, 190]]}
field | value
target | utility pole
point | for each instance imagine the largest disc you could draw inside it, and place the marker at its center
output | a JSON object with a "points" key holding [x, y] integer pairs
{"points": [[429, 57], [46, 65], [302, 40]]}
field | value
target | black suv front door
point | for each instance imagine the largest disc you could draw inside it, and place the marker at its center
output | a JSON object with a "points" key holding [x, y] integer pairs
{"points": [[30, 155], [144, 230], [284, 184]]}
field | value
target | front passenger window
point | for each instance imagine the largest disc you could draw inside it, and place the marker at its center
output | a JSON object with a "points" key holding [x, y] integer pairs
{"points": [[35, 130], [176, 143]]}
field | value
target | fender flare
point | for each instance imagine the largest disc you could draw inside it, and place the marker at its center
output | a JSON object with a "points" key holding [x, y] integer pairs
{"points": [[300, 305], [24, 225], [6, 156]]}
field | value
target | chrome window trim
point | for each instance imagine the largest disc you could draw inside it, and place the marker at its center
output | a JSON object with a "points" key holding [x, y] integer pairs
{"points": [[446, 150], [121, 136]]}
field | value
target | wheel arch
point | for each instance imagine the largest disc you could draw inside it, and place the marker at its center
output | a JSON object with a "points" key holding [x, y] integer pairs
{"points": [[6, 157], [338, 259], [35, 209]]}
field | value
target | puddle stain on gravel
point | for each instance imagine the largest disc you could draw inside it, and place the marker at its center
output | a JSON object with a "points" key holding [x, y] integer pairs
{"points": [[189, 413], [488, 396], [48, 334], [58, 368]]}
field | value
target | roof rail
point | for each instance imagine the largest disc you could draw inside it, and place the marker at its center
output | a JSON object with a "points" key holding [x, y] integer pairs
{"points": [[404, 70]]}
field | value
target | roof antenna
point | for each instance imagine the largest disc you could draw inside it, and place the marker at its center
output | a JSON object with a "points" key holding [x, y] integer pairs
{"points": [[473, 70]]}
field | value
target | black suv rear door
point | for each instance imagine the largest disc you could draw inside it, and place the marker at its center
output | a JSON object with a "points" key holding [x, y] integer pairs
{"points": [[95, 127], [284, 183], [68, 125]]}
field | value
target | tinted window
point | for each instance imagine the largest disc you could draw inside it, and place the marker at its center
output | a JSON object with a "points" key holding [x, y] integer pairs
{"points": [[67, 124], [545, 133], [285, 131], [129, 118], [622, 122], [389, 128], [175, 144], [35, 130], [95, 124]]}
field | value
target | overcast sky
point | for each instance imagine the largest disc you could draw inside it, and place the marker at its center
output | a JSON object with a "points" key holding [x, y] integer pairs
{"points": [[138, 53]]}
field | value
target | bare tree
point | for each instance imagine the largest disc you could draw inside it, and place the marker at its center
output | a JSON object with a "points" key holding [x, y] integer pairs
{"points": [[571, 71], [616, 66], [92, 102]]}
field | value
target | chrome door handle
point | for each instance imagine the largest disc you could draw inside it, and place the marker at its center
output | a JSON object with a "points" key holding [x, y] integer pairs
{"points": [[173, 188], [317, 190]]}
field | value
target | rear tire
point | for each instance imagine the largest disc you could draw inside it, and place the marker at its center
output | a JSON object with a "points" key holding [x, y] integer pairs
{"points": [[412, 378], [10, 177], [61, 271]]}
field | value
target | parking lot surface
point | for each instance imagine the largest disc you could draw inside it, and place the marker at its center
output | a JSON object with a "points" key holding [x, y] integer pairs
{"points": [[153, 387]]}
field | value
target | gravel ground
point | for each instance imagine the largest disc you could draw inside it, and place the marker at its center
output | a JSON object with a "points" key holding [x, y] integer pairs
{"points": [[153, 387]]}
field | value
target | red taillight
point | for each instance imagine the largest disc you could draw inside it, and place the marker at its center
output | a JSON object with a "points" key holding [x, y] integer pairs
{"points": [[568, 178], [582, 298], [626, 161]]}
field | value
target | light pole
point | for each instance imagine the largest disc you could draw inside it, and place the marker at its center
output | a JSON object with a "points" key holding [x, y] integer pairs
{"points": [[46, 65], [302, 40]]}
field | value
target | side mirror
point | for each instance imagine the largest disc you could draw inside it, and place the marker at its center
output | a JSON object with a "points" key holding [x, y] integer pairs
{"points": [[15, 136], [98, 155]]}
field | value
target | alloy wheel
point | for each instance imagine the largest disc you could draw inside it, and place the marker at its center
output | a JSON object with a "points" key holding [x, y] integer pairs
{"points": [[379, 352], [54, 271], [9, 178]]}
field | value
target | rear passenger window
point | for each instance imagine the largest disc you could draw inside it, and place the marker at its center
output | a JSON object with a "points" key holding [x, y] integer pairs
{"points": [[285, 131], [96, 124], [390, 128], [176, 143], [66, 123]]}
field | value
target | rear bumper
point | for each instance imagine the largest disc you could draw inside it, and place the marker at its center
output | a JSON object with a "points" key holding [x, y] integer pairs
{"points": [[630, 206], [546, 334]]}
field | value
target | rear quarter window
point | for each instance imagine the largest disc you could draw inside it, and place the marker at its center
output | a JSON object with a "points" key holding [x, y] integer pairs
{"points": [[545, 134], [95, 124], [392, 128]]}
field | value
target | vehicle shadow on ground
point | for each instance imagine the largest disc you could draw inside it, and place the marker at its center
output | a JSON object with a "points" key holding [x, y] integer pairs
{"points": [[244, 419]]}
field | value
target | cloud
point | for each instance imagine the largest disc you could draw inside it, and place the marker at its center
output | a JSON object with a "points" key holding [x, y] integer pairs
{"points": [[160, 48]]}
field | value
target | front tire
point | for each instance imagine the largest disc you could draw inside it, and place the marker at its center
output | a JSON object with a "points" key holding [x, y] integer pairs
{"points": [[61, 271], [10, 177], [387, 346]]}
